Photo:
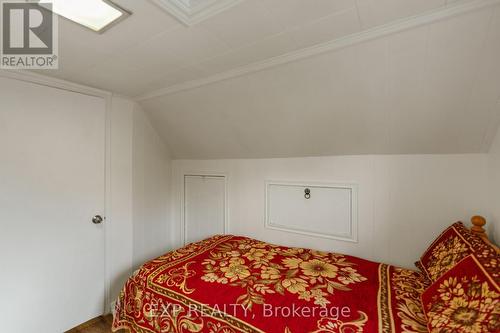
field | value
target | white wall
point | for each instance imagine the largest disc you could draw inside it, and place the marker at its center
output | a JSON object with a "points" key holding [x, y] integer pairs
{"points": [[119, 221], [151, 188], [494, 183], [404, 200], [139, 180]]}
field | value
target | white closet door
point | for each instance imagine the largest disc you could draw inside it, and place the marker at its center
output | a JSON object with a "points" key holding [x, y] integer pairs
{"points": [[51, 185], [204, 207]]}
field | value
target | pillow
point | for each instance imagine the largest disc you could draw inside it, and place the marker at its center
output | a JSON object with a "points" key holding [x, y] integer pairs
{"points": [[466, 299], [485, 253], [445, 252]]}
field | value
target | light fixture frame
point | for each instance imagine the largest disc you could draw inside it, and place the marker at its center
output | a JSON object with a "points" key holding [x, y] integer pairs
{"points": [[125, 13]]}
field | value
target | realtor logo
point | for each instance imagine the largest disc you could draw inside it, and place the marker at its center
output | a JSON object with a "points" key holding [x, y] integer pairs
{"points": [[28, 36]]}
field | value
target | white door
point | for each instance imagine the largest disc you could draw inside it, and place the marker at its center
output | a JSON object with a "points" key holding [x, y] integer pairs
{"points": [[51, 185], [204, 207]]}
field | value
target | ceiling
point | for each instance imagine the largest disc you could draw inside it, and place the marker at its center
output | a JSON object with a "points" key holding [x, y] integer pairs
{"points": [[287, 78], [152, 49], [433, 89]]}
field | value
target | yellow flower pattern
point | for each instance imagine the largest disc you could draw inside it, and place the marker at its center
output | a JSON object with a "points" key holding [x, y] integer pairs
{"points": [[318, 268], [260, 269], [408, 286], [235, 271], [465, 305], [445, 255]]}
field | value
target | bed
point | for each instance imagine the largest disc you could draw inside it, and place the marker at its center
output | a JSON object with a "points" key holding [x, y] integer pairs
{"points": [[228, 284]]}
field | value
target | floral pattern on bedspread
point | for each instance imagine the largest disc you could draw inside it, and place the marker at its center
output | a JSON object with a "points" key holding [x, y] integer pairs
{"points": [[261, 269], [408, 287], [235, 284]]}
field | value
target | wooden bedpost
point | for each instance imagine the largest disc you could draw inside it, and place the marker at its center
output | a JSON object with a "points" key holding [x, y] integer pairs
{"points": [[478, 223]]}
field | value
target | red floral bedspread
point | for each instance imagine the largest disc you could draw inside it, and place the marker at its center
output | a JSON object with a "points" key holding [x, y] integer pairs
{"points": [[228, 284]]}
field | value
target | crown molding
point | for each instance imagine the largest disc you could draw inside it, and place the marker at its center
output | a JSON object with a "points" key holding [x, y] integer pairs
{"points": [[24, 75], [336, 44]]}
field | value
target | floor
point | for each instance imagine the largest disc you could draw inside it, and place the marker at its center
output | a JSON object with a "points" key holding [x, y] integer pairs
{"points": [[96, 325]]}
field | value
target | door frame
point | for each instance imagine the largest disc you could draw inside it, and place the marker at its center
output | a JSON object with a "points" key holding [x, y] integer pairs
{"points": [[22, 75], [183, 199]]}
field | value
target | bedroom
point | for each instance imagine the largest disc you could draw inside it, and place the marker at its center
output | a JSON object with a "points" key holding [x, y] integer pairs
{"points": [[132, 128]]}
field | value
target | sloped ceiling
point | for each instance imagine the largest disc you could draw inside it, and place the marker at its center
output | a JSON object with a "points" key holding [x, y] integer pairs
{"points": [[152, 50], [429, 89], [392, 76]]}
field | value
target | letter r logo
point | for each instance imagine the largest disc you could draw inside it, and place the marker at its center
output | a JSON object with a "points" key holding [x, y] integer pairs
{"points": [[27, 28]]}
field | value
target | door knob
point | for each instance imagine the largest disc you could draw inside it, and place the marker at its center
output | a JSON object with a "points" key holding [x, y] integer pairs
{"points": [[97, 219]]}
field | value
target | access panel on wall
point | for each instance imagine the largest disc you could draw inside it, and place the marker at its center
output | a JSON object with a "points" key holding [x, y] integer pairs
{"points": [[322, 210]]}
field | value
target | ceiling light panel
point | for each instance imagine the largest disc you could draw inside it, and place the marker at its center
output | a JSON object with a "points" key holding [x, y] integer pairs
{"points": [[97, 15]]}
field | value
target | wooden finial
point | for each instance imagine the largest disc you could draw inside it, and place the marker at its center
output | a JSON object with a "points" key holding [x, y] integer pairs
{"points": [[477, 226]]}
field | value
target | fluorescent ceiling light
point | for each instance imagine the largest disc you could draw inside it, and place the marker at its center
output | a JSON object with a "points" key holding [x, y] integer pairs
{"points": [[97, 15]]}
